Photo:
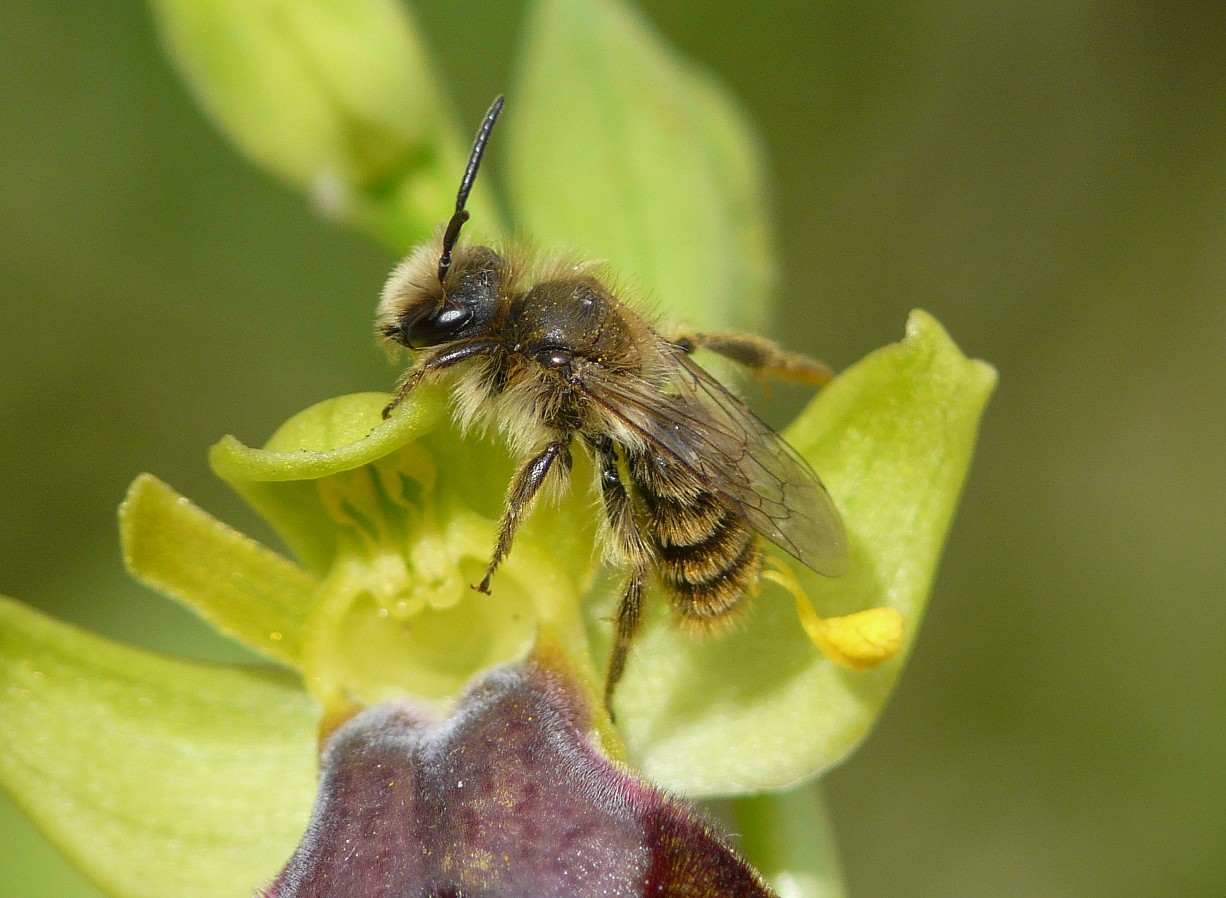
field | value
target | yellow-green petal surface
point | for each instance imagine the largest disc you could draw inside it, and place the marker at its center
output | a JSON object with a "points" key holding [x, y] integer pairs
{"points": [[155, 776], [762, 708]]}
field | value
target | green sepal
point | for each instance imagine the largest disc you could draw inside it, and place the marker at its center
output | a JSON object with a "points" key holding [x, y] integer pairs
{"points": [[761, 708], [661, 175], [341, 434], [245, 590], [154, 776]]}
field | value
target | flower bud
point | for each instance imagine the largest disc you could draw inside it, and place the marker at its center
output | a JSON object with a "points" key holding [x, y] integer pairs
{"points": [[333, 96]]}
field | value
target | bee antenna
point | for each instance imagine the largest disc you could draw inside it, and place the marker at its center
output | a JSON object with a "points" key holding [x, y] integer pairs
{"points": [[452, 234]]}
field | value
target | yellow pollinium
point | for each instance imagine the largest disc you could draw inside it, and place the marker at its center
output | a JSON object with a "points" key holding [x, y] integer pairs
{"points": [[856, 641]]}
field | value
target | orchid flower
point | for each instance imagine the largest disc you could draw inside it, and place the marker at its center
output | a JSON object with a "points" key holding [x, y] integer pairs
{"points": [[159, 776]]}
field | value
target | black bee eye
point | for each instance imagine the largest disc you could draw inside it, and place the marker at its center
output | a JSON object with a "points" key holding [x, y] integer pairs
{"points": [[438, 327]]}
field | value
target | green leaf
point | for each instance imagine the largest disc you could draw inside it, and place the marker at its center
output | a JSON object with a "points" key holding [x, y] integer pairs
{"points": [[242, 588], [337, 97], [155, 777], [761, 708], [624, 151]]}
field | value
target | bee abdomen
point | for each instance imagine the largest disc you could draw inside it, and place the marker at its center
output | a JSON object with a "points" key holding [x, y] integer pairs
{"points": [[683, 523], [707, 555], [710, 573]]}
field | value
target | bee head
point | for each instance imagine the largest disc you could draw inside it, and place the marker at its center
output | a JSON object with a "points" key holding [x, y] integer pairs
{"points": [[421, 307], [418, 310]]}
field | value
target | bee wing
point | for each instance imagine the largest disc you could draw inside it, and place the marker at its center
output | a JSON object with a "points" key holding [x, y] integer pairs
{"points": [[692, 419]]}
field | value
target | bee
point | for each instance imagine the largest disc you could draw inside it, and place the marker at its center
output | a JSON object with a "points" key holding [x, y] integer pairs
{"points": [[689, 477]]}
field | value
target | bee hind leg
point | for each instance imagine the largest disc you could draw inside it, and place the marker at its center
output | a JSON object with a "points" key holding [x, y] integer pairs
{"points": [[765, 358], [523, 489], [628, 547], [626, 627]]}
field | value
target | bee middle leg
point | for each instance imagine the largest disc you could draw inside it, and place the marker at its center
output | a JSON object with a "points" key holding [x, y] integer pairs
{"points": [[765, 358], [523, 488], [631, 549]]}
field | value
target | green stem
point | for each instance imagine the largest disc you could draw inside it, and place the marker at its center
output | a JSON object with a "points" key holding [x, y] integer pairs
{"points": [[789, 837]]}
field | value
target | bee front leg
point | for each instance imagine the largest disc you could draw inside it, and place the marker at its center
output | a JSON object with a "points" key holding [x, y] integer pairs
{"points": [[408, 381], [452, 355], [523, 488], [629, 547], [765, 358]]}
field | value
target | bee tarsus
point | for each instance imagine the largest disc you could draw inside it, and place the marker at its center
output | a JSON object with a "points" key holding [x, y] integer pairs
{"points": [[763, 357], [437, 362], [628, 549]]}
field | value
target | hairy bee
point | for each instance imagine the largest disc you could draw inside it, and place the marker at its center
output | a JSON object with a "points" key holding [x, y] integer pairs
{"points": [[689, 476]]}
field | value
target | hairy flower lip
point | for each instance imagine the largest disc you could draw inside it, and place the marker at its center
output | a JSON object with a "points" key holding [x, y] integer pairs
{"points": [[506, 796], [161, 777]]}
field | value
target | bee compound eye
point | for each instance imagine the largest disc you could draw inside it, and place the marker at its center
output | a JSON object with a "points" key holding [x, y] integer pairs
{"points": [[438, 328]]}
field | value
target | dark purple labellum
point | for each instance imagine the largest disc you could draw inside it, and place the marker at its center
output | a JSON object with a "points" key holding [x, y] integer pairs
{"points": [[505, 799]]}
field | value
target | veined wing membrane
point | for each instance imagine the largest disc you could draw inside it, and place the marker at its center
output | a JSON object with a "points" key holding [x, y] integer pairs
{"points": [[687, 416]]}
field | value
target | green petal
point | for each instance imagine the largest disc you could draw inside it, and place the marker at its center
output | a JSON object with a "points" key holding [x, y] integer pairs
{"points": [[341, 434], [334, 96], [761, 708], [243, 589], [623, 150], [155, 777]]}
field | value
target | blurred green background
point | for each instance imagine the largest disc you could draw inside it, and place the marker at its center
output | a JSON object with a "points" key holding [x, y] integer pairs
{"points": [[1048, 178]]}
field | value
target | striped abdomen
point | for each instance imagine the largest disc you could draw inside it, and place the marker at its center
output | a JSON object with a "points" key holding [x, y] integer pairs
{"points": [[708, 557]]}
